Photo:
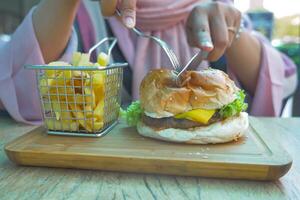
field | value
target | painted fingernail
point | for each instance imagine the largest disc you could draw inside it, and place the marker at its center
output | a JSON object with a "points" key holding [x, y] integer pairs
{"points": [[129, 22], [207, 44], [205, 41]]}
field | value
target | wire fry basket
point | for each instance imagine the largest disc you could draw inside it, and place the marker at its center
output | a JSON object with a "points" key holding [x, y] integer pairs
{"points": [[80, 100]]}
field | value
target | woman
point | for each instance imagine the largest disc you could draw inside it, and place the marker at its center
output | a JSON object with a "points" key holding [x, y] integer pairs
{"points": [[45, 36]]}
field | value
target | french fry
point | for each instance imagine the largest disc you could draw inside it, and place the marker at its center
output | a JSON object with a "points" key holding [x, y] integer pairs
{"points": [[68, 125], [56, 108], [61, 79], [54, 78], [94, 125], [79, 115], [103, 59], [83, 99], [76, 58], [98, 126], [84, 60], [98, 86], [43, 86], [89, 95], [99, 111], [54, 73], [64, 119], [58, 63], [81, 59]]}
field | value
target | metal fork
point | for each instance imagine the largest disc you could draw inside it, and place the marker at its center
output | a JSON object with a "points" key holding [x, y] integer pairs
{"points": [[170, 53], [194, 62]]}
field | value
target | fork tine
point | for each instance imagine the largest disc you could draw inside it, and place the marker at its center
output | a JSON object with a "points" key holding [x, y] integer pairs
{"points": [[168, 52], [174, 58], [171, 55], [171, 59]]}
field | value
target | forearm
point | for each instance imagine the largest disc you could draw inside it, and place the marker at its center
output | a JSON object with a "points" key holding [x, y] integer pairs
{"points": [[52, 21], [244, 57]]}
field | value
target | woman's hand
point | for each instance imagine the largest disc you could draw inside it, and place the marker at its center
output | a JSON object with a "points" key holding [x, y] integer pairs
{"points": [[126, 7], [212, 26]]}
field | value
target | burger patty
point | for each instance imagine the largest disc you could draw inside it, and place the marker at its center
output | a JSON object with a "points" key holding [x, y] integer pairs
{"points": [[171, 122]]}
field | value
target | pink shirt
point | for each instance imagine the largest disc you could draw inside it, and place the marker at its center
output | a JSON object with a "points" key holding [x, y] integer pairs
{"points": [[18, 88]]}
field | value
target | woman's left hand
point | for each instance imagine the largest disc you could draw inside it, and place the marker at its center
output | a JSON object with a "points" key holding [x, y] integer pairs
{"points": [[212, 26]]}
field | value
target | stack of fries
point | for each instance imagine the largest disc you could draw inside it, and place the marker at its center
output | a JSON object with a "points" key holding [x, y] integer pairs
{"points": [[74, 100]]}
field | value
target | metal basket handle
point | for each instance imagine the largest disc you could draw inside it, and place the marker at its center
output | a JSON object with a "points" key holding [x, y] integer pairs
{"points": [[110, 48]]}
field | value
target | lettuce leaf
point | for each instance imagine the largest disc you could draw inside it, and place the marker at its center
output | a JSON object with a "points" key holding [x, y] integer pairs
{"points": [[237, 106], [132, 114]]}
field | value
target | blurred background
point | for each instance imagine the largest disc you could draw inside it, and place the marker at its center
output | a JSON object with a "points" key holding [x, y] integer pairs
{"points": [[279, 21]]}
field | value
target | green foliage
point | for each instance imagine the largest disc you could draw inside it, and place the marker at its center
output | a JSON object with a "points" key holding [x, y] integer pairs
{"points": [[237, 106], [292, 50], [132, 114], [284, 27]]}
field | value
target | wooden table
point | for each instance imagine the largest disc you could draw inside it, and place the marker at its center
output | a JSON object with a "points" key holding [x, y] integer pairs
{"points": [[18, 182]]}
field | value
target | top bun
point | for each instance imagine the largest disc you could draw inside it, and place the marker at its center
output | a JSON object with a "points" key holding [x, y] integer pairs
{"points": [[160, 96]]}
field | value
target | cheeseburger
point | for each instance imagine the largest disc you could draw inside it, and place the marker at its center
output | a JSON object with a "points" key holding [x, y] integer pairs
{"points": [[202, 107]]}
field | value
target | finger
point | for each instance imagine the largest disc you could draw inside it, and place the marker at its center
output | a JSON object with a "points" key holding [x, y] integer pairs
{"points": [[108, 7], [199, 30], [219, 34], [128, 12], [233, 20], [232, 31], [189, 37]]}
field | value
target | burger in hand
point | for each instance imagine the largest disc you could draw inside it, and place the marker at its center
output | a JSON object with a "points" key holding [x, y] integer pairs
{"points": [[202, 107]]}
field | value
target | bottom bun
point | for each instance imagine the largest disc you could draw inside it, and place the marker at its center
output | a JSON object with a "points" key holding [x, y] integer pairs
{"points": [[227, 130]]}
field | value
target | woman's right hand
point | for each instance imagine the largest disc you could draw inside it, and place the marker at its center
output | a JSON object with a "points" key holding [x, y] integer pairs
{"points": [[126, 7]]}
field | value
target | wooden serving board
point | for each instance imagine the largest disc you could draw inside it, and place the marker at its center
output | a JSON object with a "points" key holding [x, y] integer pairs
{"points": [[257, 156]]}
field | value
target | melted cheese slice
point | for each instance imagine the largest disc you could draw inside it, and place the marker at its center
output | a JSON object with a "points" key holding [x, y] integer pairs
{"points": [[197, 115]]}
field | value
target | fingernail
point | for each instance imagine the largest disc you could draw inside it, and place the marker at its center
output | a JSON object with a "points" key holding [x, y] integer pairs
{"points": [[207, 45], [129, 22]]}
